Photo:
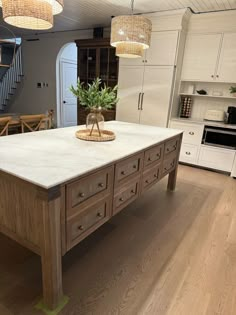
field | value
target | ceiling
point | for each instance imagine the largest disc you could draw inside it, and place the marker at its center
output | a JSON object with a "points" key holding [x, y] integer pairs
{"points": [[82, 14]]}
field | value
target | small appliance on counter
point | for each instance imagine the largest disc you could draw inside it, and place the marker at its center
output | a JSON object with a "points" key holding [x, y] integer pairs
{"points": [[215, 115], [231, 115]]}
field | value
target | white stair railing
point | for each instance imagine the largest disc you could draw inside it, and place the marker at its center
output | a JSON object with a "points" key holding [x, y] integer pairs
{"points": [[11, 79]]}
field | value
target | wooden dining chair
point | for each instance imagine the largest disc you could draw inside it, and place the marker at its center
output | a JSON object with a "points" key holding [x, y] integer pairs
{"points": [[4, 125], [32, 122]]}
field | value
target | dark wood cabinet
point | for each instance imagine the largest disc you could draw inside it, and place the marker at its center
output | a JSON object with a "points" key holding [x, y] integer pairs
{"points": [[96, 58]]}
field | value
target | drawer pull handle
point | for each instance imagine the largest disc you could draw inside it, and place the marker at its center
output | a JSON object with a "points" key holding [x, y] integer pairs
{"points": [[188, 153], [156, 176], [123, 173], [121, 199], [101, 185], [81, 228], [147, 181], [132, 191], [82, 195], [134, 166], [191, 133], [99, 215], [158, 155], [149, 159]]}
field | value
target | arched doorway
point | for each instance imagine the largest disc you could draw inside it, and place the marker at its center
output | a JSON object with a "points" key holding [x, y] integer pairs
{"points": [[66, 68]]}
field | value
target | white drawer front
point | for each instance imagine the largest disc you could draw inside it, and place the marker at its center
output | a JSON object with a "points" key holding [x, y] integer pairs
{"points": [[189, 153], [192, 133], [217, 158]]}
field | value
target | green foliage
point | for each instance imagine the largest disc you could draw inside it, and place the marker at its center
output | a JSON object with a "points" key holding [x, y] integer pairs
{"points": [[94, 95], [232, 89]]}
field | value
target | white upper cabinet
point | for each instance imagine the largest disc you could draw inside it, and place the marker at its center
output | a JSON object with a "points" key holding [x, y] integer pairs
{"points": [[227, 64], [201, 56], [129, 93], [162, 51]]}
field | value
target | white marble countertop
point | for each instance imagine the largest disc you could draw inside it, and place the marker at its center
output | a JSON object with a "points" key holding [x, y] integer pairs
{"points": [[204, 122], [52, 157]]}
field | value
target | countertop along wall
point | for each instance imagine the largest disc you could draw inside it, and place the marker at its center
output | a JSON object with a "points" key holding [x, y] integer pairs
{"points": [[39, 58]]}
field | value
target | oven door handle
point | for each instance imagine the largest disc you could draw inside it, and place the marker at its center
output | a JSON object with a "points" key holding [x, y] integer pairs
{"points": [[233, 133]]}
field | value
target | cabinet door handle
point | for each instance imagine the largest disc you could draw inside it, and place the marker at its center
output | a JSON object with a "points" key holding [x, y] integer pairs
{"points": [[142, 101], [191, 133], [139, 99], [212, 76], [217, 76], [188, 153]]}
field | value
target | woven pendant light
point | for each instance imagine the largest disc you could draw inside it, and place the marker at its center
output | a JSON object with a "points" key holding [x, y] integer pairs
{"points": [[28, 14], [31, 14], [57, 6], [131, 35]]}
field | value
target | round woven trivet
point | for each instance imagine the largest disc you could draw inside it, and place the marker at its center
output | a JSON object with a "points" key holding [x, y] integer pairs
{"points": [[106, 135]]}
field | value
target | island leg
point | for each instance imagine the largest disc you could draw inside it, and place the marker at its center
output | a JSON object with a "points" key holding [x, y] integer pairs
{"points": [[51, 256], [173, 175], [172, 179]]}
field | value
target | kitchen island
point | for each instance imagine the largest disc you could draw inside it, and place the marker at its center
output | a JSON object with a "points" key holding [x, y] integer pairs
{"points": [[56, 189]]}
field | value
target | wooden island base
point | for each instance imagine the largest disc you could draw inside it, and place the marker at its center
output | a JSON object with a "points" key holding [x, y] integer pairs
{"points": [[52, 221]]}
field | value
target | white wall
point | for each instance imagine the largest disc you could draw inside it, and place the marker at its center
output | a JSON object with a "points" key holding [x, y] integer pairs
{"points": [[39, 59]]}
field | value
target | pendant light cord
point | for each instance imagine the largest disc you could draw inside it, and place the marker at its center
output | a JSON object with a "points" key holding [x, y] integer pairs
{"points": [[132, 6]]}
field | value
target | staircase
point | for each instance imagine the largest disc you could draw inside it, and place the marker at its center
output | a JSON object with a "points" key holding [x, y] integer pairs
{"points": [[10, 81]]}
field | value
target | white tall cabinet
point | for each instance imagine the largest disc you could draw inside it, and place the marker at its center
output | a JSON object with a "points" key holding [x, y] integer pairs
{"points": [[145, 85], [157, 91], [145, 94], [129, 93]]}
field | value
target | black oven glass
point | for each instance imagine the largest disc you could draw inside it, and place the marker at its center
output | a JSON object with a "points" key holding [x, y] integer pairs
{"points": [[220, 137]]}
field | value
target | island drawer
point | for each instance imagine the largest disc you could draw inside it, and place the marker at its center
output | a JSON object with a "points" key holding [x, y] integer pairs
{"points": [[169, 164], [153, 155], [151, 177], [127, 169], [87, 220], [171, 146], [125, 195], [89, 188]]}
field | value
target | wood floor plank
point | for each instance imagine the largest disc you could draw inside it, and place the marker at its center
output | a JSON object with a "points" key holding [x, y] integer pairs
{"points": [[165, 254]]}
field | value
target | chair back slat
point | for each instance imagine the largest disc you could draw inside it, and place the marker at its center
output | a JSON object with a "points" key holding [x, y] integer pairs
{"points": [[32, 122], [4, 125]]}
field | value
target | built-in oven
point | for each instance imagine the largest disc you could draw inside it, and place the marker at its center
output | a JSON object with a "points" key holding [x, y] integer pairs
{"points": [[220, 137]]}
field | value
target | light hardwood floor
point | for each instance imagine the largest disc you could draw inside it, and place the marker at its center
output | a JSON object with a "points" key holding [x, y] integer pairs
{"points": [[166, 254]]}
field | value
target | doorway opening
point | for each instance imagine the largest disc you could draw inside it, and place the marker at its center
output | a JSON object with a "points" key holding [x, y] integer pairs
{"points": [[66, 76]]}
